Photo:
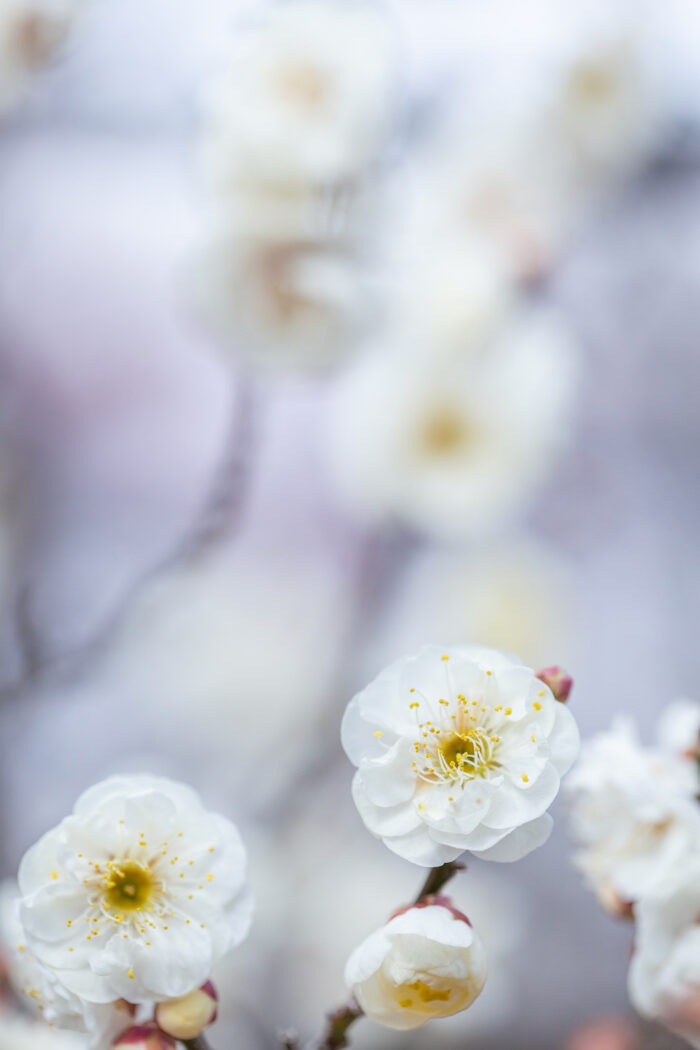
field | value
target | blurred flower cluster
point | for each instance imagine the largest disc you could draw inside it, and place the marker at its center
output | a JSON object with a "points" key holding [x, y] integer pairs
{"points": [[635, 814]]}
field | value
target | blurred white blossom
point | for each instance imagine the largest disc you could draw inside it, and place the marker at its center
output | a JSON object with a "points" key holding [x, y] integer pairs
{"points": [[426, 962], [458, 749], [634, 814], [308, 98], [159, 882], [454, 448], [30, 32], [283, 304], [511, 593], [664, 978]]}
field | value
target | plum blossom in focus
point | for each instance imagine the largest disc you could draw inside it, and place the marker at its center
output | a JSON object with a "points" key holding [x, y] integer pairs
{"points": [[158, 882], [458, 749], [427, 962]]}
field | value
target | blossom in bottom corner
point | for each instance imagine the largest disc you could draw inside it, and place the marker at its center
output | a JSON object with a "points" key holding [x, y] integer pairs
{"points": [[426, 962], [457, 749], [664, 977], [137, 894]]}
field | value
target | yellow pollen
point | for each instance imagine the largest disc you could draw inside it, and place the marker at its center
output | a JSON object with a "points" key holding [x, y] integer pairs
{"points": [[509, 711], [525, 778], [537, 706], [378, 734], [445, 657]]}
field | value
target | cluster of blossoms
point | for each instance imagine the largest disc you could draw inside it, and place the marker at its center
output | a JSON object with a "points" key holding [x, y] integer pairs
{"points": [[291, 132], [122, 911], [456, 750], [30, 32], [635, 814]]}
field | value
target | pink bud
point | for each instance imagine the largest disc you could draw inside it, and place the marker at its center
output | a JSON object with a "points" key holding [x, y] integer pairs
{"points": [[186, 1017], [558, 681], [143, 1037]]}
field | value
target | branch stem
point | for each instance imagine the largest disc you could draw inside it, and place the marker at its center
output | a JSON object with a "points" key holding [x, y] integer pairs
{"points": [[439, 877]]}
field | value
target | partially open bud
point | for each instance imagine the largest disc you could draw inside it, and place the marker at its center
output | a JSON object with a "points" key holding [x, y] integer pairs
{"points": [[558, 681], [186, 1017], [426, 962], [143, 1037]]}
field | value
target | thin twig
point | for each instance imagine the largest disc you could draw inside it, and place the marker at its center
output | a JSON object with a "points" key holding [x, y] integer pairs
{"points": [[338, 1024], [439, 877]]}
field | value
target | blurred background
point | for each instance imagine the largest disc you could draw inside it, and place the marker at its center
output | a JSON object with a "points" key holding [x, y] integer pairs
{"points": [[212, 528]]}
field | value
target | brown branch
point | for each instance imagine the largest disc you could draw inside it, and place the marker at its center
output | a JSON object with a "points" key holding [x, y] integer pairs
{"points": [[338, 1024], [439, 877]]}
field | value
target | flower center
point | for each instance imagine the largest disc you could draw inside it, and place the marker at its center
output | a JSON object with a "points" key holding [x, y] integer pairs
{"points": [[445, 433], [592, 83], [465, 755], [303, 84], [128, 885], [418, 994]]}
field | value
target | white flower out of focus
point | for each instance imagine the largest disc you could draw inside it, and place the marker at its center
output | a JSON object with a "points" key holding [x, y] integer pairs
{"points": [[137, 894], [29, 35], [308, 99], [458, 749], [283, 304], [454, 448], [634, 813], [39, 991], [664, 978], [427, 962]]}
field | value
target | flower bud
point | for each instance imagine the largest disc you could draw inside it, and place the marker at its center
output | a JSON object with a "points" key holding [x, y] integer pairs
{"points": [[558, 681], [186, 1017], [426, 962], [143, 1037]]}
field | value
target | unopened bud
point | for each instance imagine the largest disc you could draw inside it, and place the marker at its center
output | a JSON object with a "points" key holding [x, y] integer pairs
{"points": [[185, 1018], [558, 681], [143, 1037]]}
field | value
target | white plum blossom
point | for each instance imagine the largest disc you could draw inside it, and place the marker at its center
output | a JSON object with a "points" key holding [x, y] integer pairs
{"points": [[41, 993], [427, 962], [634, 814], [308, 99], [30, 31], [458, 749], [137, 894], [454, 448], [664, 977], [283, 304]]}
